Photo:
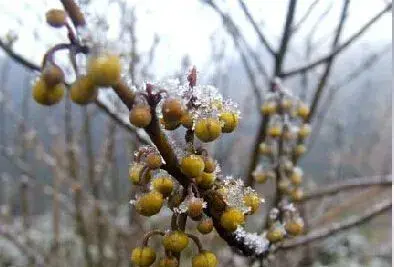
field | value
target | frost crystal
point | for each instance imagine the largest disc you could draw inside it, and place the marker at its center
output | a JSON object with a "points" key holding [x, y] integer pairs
{"points": [[258, 243]]}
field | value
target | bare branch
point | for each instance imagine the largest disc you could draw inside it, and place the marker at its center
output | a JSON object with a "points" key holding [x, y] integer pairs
{"points": [[324, 77], [353, 183], [256, 28], [340, 48], [298, 25], [339, 227]]}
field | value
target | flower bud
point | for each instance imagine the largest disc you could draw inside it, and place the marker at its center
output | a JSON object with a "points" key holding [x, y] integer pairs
{"points": [[83, 90], [297, 194], [205, 259], [140, 115], [192, 166], [276, 233], [135, 173], [284, 185], [168, 262], [253, 201], [195, 207], [265, 149], [286, 104], [304, 131], [205, 226], [105, 70], [172, 110], [210, 164], [205, 180], [294, 226], [275, 130], [208, 129], [153, 160], [149, 204], [229, 120], [231, 219], [268, 108], [303, 111], [52, 75], [56, 18], [45, 95], [163, 185], [187, 120], [299, 150], [176, 241], [143, 256], [261, 176], [296, 176]]}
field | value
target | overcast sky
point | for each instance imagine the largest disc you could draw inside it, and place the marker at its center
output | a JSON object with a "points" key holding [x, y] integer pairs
{"points": [[185, 26]]}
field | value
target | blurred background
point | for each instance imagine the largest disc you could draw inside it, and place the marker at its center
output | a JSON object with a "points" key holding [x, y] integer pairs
{"points": [[47, 152]]}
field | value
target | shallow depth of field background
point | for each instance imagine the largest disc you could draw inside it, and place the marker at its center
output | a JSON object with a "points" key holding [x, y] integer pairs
{"points": [[351, 135]]}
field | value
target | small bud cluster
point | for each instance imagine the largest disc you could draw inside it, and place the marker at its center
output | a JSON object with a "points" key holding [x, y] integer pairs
{"points": [[284, 142]]}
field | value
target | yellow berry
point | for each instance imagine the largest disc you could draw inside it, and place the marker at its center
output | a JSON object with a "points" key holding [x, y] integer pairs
{"points": [[297, 194], [143, 256], [205, 180], [168, 262], [140, 116], [303, 111], [192, 166], [187, 120], [253, 201], [275, 130], [286, 104], [229, 121], [208, 129], [296, 176], [268, 108], [284, 186], [261, 176], [276, 233], [172, 110], [150, 203], [52, 75], [304, 131], [265, 149], [135, 173], [294, 227], [195, 207], [153, 160], [210, 164], [163, 185], [299, 150], [205, 259], [56, 18], [45, 95], [231, 219], [170, 125], [105, 70], [175, 241], [83, 90], [205, 226]]}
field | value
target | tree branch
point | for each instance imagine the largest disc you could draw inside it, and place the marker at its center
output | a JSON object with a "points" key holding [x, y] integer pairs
{"points": [[324, 77], [339, 227], [340, 48], [350, 184], [259, 33], [298, 25]]}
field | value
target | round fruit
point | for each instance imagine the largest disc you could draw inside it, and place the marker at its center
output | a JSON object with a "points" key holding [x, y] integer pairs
{"points": [[296, 176], [187, 120], [163, 185], [275, 130], [56, 18], [297, 194], [304, 131], [210, 164], [176, 241], [153, 160], [299, 150], [105, 70], [172, 110], [231, 219], [150, 203], [205, 259], [303, 111], [265, 149], [83, 90], [44, 95], [140, 116], [168, 262], [205, 226], [208, 129], [192, 166], [275, 234], [143, 256], [229, 120], [268, 108], [294, 227], [253, 201], [52, 75], [205, 180]]}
